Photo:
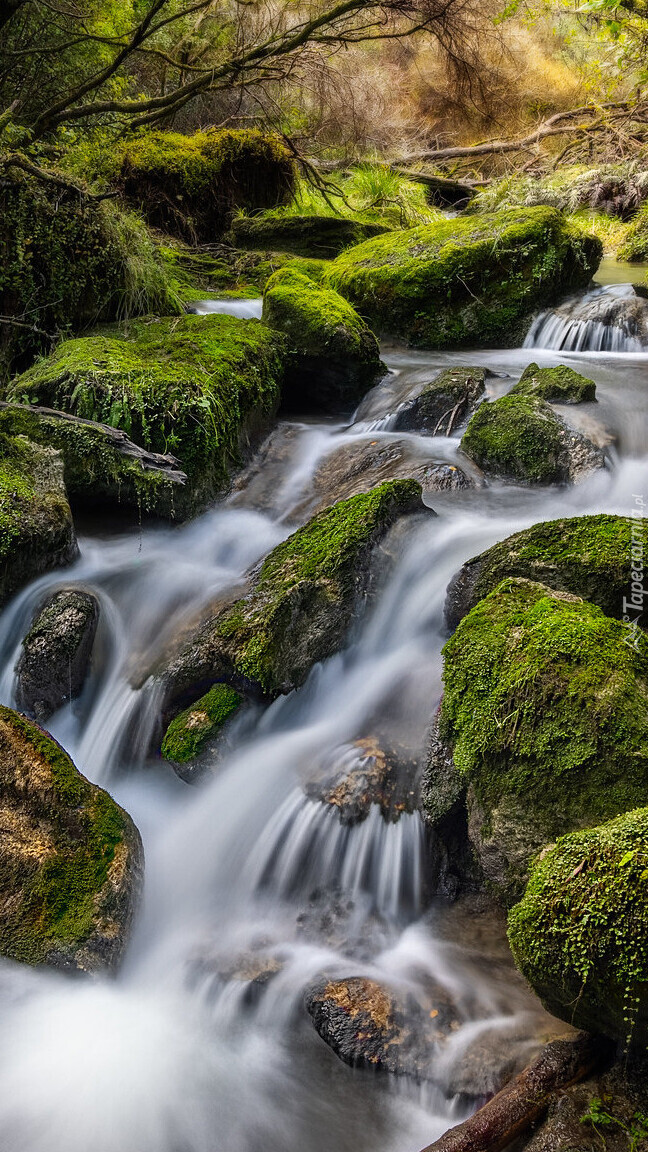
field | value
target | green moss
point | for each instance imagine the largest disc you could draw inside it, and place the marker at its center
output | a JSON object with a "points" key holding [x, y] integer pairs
{"points": [[546, 700], [191, 186], [635, 244], [475, 279], [81, 260], [56, 886], [520, 437], [319, 236], [589, 556], [196, 386], [187, 735], [580, 933], [559, 385]]}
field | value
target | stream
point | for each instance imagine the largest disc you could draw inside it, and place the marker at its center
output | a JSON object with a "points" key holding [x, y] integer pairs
{"points": [[185, 1051]]}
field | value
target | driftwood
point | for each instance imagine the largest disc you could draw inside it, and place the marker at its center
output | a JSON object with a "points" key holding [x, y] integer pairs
{"points": [[525, 1098], [149, 461]]}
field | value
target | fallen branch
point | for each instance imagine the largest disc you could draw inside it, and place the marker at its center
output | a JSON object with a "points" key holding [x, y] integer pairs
{"points": [[47, 177], [525, 1099]]}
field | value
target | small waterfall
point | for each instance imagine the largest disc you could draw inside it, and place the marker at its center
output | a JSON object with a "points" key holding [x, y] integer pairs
{"points": [[244, 309], [609, 319]]}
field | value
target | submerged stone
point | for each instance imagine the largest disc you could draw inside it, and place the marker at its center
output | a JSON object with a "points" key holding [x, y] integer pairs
{"points": [[55, 657], [36, 530], [335, 356], [580, 933], [353, 777], [70, 858], [545, 712], [475, 280]]}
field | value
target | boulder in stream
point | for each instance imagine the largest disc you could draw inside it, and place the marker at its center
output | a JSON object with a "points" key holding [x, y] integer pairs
{"points": [[36, 529], [474, 280], [545, 714], [301, 602], [335, 356], [520, 438], [580, 933], [354, 776], [559, 385], [193, 730], [71, 859], [55, 657], [444, 403], [205, 387], [590, 556]]}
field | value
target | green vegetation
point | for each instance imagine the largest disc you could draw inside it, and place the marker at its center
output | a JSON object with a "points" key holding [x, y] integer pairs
{"points": [[200, 387], [545, 708], [319, 236], [560, 385], [635, 243], [191, 186], [366, 194], [579, 934], [475, 279], [189, 732], [68, 857], [519, 437], [36, 532], [335, 356], [599, 1116]]}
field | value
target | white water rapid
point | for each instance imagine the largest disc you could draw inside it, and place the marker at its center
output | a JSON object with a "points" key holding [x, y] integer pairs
{"points": [[246, 875]]}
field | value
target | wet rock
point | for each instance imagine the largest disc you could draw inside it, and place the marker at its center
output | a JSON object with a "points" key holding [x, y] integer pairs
{"points": [[36, 530], [589, 556], [300, 605], [472, 281], [545, 712], [318, 236], [604, 1113], [610, 319], [358, 467], [444, 402], [560, 385], [452, 864], [520, 438], [71, 860], [355, 776], [370, 1026], [55, 657], [335, 356]]}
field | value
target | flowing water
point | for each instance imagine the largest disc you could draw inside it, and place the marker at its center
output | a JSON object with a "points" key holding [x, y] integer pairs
{"points": [[248, 875]]}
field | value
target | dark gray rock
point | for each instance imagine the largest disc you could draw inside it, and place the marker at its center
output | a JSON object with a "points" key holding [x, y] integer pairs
{"points": [[55, 657], [444, 403]]}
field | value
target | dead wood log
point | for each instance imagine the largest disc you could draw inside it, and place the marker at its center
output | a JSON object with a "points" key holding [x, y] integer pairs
{"points": [[525, 1098]]}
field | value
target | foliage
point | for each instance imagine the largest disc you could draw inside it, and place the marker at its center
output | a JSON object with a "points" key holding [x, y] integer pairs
{"points": [[371, 193], [614, 189], [635, 243], [599, 1116]]}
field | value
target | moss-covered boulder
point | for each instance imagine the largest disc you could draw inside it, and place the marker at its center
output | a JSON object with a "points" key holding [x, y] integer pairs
{"points": [[545, 711], [590, 556], [520, 438], [36, 530], [191, 186], [444, 403], [301, 602], [101, 466], [335, 356], [55, 657], [473, 280], [189, 733], [319, 236], [559, 385], [202, 387], [79, 260], [580, 932], [70, 859]]}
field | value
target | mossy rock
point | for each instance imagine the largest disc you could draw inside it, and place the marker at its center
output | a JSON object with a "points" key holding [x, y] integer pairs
{"points": [[444, 403], [189, 733], [319, 236], [590, 556], [545, 710], [81, 260], [191, 186], [203, 387], [55, 657], [559, 385], [335, 356], [473, 280], [580, 933], [520, 438], [302, 601], [70, 858], [36, 529], [102, 468], [634, 248]]}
